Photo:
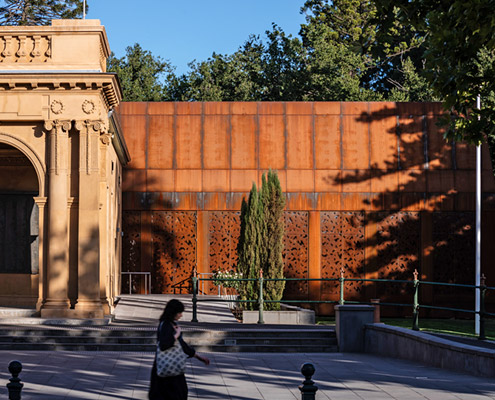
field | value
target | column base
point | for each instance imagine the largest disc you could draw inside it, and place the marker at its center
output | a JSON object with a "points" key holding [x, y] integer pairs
{"points": [[88, 309]]}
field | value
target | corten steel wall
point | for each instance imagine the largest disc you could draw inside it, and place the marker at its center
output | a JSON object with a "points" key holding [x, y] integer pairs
{"points": [[371, 187]]}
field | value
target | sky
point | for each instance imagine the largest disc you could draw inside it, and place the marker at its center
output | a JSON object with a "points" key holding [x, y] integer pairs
{"points": [[185, 30]]}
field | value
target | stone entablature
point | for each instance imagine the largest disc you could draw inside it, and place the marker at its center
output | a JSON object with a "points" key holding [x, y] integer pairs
{"points": [[66, 45]]}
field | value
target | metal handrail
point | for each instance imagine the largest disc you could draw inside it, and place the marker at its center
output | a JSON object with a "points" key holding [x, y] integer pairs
{"points": [[147, 280], [415, 282]]}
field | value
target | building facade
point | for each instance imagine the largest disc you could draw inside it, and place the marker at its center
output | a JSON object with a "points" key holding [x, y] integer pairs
{"points": [[61, 157], [372, 189]]}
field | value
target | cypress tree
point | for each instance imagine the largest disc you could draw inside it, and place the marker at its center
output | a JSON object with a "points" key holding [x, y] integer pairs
{"points": [[272, 231], [249, 248]]}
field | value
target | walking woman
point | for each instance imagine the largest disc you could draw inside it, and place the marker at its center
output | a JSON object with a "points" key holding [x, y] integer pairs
{"points": [[171, 387]]}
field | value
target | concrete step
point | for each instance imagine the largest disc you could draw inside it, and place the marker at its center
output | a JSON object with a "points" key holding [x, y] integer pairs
{"points": [[139, 338]]}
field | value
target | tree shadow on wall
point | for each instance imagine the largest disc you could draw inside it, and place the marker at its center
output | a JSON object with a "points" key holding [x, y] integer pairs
{"points": [[419, 215]]}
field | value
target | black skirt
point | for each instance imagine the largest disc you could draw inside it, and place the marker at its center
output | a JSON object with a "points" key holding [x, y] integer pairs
{"points": [[167, 388]]}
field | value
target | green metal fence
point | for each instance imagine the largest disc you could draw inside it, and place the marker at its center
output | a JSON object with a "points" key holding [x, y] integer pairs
{"points": [[415, 284]]}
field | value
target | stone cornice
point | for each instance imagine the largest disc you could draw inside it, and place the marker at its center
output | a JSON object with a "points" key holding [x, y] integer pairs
{"points": [[60, 83]]}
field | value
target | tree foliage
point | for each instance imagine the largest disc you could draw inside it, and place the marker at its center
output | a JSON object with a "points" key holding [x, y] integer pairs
{"points": [[140, 74], [248, 248], [272, 238], [38, 12]]}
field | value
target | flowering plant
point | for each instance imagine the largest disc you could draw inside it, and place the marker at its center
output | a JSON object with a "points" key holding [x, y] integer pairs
{"points": [[220, 275]]}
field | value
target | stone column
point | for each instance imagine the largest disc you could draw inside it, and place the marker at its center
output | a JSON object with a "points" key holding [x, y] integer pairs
{"points": [[57, 277], [41, 203], [88, 300]]}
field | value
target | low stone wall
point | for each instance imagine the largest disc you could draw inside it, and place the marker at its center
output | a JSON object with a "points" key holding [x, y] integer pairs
{"points": [[288, 315], [385, 340]]}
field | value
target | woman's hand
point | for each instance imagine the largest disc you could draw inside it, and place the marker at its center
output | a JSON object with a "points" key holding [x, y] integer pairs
{"points": [[205, 360], [177, 331]]}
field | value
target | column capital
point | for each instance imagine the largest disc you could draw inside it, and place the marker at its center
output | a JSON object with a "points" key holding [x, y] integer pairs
{"points": [[91, 126], [58, 125]]}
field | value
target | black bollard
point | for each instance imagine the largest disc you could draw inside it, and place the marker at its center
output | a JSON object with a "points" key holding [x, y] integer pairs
{"points": [[15, 385], [308, 388]]}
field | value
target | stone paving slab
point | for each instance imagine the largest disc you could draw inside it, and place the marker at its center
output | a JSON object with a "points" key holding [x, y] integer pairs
{"points": [[246, 376]]}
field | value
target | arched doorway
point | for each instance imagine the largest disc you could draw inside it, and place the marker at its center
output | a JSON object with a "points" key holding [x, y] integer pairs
{"points": [[19, 228]]}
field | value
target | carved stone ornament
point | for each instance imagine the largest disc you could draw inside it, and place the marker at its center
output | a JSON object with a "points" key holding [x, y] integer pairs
{"points": [[57, 107], [88, 106]]}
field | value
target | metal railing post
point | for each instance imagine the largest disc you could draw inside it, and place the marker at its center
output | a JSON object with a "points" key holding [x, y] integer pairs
{"points": [[15, 385], [195, 298], [308, 388], [341, 280], [260, 299], [416, 302], [482, 307]]}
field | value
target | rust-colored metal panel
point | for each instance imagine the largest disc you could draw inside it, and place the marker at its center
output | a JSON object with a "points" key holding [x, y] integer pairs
{"points": [[161, 142], [398, 244], [216, 107], [160, 180], [300, 180], [327, 108], [244, 107], [439, 151], [132, 108], [242, 180], [234, 200], [216, 180], [216, 201], [355, 143], [131, 248], [300, 141], [161, 108], [272, 146], [188, 201], [298, 108], [224, 230], [411, 108], [296, 255], [274, 107], [434, 109], [243, 141], [134, 128], [174, 249], [355, 201], [328, 181], [189, 108], [134, 180], [439, 181], [300, 201], [465, 180], [412, 154], [216, 142], [487, 181], [188, 141], [327, 142], [188, 180], [358, 180], [378, 109], [384, 143], [386, 181], [412, 180], [328, 201], [412, 201], [342, 247], [465, 202], [486, 161], [359, 109], [453, 256]]}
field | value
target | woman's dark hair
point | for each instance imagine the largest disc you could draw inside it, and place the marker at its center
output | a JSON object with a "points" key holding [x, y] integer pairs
{"points": [[172, 308]]}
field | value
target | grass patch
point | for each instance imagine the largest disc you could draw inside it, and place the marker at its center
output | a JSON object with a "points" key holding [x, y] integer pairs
{"points": [[461, 327]]}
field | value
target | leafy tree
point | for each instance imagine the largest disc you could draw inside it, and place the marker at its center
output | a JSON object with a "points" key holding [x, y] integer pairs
{"points": [[140, 74], [272, 238], [38, 12], [248, 248]]}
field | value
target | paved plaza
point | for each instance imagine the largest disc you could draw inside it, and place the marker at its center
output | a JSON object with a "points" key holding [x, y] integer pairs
{"points": [[113, 375]]}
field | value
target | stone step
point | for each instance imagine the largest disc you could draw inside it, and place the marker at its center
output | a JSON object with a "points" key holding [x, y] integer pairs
{"points": [[139, 338]]}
